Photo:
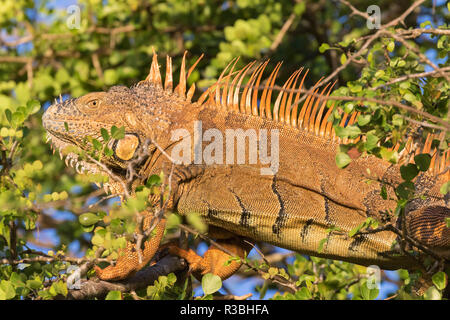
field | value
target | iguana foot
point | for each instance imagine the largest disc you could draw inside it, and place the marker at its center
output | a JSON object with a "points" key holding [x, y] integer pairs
{"points": [[214, 260], [128, 262]]}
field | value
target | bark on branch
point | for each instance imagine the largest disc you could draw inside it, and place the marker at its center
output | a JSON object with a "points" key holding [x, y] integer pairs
{"points": [[99, 289]]}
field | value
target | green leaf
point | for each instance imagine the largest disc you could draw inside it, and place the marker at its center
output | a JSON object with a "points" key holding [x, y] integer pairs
{"points": [[397, 120], [383, 192], [7, 289], [195, 220], [105, 134], [427, 23], [16, 280], [368, 294], [97, 144], [342, 160], [303, 294], [211, 283], [299, 8], [371, 141], [154, 180], [422, 161], [405, 190], [117, 133], [114, 295], [108, 152], [343, 58], [388, 155], [364, 119], [324, 47], [432, 294], [349, 131], [445, 188], [440, 280], [355, 230], [391, 46], [33, 106], [87, 219], [34, 284], [321, 244], [97, 240], [409, 172], [8, 115], [409, 97]]}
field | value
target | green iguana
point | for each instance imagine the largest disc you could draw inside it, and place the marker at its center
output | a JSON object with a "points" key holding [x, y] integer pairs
{"points": [[290, 198]]}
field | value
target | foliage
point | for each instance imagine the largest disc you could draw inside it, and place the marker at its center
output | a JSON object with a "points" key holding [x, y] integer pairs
{"points": [[49, 214]]}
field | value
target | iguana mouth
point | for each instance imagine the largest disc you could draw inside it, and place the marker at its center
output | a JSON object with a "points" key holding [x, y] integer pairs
{"points": [[58, 143]]}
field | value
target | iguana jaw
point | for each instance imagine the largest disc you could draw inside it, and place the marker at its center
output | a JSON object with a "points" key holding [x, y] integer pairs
{"points": [[83, 167]]}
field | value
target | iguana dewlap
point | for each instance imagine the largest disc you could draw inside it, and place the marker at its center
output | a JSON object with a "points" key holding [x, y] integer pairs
{"points": [[294, 201]]}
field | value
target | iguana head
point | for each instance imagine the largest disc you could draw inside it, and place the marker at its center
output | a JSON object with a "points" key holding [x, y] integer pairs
{"points": [[71, 122], [143, 110]]}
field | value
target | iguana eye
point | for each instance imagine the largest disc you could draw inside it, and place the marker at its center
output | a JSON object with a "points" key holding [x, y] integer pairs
{"points": [[93, 103]]}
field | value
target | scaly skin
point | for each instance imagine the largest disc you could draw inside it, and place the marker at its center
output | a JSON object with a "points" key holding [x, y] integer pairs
{"points": [[293, 208]]}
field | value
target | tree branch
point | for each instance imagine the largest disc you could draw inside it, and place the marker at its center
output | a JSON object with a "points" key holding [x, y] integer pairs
{"points": [[99, 289]]}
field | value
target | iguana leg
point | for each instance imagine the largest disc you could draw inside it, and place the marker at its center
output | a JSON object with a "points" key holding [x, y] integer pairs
{"points": [[214, 260], [128, 262]]}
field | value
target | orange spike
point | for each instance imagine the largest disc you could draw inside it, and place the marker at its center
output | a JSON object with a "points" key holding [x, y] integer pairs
{"points": [[447, 163], [343, 120], [395, 148], [205, 94], [238, 85], [309, 109], [190, 93], [322, 108], [268, 103], [225, 90], [219, 82], [329, 131], [262, 103], [305, 108], [427, 145], [442, 163], [194, 65], [313, 119], [154, 75], [289, 114], [168, 81], [181, 87], [433, 161], [278, 108], [294, 107], [323, 126], [283, 110], [353, 118], [352, 121], [256, 90], [245, 99], [356, 139]]}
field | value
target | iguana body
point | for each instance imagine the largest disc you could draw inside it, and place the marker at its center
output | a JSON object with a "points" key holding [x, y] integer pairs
{"points": [[295, 207]]}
